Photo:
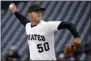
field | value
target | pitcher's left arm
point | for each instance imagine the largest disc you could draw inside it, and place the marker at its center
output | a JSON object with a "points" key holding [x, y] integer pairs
{"points": [[76, 43]]}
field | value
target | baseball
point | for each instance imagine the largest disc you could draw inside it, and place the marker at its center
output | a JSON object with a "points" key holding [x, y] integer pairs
{"points": [[11, 6]]}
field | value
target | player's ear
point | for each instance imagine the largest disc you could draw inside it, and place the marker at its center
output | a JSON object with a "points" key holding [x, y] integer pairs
{"points": [[29, 14]]}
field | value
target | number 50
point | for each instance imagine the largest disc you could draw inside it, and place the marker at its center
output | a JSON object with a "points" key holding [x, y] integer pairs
{"points": [[43, 47]]}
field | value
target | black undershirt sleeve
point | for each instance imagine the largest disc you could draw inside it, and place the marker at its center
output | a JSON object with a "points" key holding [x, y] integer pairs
{"points": [[21, 18], [71, 27]]}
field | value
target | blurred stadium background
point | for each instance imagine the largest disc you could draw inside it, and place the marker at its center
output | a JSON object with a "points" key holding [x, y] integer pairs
{"points": [[13, 34]]}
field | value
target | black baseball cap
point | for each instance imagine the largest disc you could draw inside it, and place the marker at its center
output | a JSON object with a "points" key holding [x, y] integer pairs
{"points": [[35, 7]]}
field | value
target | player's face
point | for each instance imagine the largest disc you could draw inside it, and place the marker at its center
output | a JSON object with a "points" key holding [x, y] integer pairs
{"points": [[35, 15]]}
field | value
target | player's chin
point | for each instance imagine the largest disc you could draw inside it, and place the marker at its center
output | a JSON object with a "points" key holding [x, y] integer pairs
{"points": [[38, 19]]}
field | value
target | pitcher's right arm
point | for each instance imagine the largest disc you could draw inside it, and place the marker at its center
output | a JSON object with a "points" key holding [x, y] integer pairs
{"points": [[21, 18]]}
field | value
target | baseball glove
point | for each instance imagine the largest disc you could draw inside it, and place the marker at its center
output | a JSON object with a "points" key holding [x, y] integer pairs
{"points": [[71, 48]]}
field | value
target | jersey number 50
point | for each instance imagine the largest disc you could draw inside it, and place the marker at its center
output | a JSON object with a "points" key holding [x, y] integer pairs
{"points": [[43, 47]]}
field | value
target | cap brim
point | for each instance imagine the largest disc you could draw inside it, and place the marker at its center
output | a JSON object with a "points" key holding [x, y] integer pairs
{"points": [[43, 9], [39, 9]]}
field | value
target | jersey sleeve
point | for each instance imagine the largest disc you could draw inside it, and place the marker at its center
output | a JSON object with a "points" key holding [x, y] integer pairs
{"points": [[71, 27], [21, 18], [53, 25]]}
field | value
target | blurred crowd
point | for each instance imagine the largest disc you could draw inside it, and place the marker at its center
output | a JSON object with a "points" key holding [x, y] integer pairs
{"points": [[12, 54], [84, 54]]}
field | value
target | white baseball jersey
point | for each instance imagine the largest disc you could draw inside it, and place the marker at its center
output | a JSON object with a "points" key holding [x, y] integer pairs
{"points": [[41, 40]]}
